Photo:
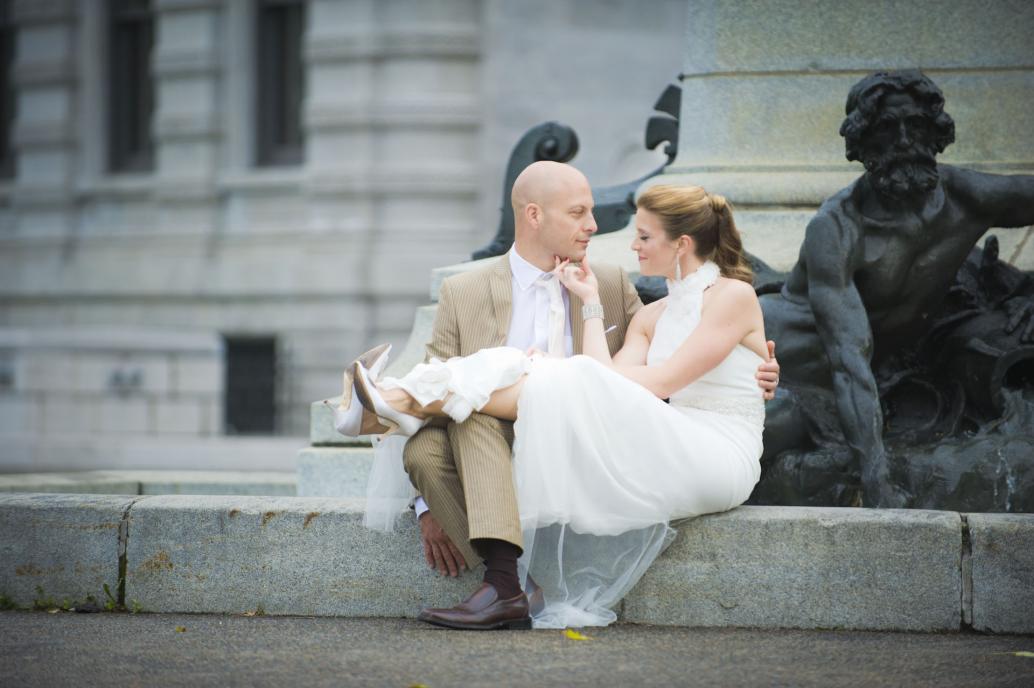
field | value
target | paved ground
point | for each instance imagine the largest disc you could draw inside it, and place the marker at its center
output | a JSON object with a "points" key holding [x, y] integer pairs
{"points": [[41, 649]]}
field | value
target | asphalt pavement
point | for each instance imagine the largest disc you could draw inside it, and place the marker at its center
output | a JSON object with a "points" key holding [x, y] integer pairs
{"points": [[123, 649]]}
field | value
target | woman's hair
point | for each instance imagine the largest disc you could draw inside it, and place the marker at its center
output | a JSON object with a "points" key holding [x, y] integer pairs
{"points": [[707, 218]]}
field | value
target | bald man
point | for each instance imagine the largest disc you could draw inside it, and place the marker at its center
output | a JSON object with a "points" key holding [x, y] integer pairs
{"points": [[468, 505]]}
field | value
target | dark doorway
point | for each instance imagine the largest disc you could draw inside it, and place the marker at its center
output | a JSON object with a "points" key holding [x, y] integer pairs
{"points": [[250, 385]]}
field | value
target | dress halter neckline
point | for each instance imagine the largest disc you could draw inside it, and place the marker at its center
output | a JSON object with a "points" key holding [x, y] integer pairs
{"points": [[686, 295]]}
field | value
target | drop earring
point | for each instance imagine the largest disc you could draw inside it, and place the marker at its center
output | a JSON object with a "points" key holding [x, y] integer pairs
{"points": [[678, 269]]}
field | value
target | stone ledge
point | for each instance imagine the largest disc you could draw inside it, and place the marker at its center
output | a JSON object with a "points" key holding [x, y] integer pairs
{"points": [[286, 555], [808, 567], [58, 548], [773, 567], [1002, 562], [280, 483]]}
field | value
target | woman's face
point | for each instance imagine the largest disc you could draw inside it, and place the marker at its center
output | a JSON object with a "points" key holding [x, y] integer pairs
{"points": [[656, 251]]}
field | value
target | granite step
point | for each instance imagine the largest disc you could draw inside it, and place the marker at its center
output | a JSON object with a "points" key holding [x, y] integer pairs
{"points": [[768, 567]]}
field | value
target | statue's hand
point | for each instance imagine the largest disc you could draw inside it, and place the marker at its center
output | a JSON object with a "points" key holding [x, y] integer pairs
{"points": [[1021, 310]]}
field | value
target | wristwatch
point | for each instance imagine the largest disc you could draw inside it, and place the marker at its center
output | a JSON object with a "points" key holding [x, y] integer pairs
{"points": [[592, 310]]}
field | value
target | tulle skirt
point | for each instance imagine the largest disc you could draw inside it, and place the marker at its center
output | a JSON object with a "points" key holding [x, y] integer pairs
{"points": [[601, 466]]}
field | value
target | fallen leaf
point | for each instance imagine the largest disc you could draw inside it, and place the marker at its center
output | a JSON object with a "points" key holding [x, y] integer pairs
{"points": [[249, 613], [53, 610], [181, 629], [575, 635], [1024, 653], [417, 685]]}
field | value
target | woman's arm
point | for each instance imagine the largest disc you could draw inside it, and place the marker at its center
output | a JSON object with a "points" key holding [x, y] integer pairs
{"points": [[733, 313], [583, 283], [637, 341]]}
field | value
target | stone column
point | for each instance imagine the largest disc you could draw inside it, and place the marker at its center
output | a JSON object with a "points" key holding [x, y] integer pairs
{"points": [[392, 123], [765, 83], [186, 68], [42, 196]]}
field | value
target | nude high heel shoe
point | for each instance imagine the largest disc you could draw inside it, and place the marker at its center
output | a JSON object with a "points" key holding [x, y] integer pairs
{"points": [[352, 419], [369, 396]]}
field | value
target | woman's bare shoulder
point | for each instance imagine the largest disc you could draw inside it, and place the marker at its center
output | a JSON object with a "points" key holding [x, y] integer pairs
{"points": [[734, 291]]}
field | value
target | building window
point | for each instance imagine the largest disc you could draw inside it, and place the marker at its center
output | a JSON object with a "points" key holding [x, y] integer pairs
{"points": [[250, 404], [280, 81], [131, 94], [7, 102]]}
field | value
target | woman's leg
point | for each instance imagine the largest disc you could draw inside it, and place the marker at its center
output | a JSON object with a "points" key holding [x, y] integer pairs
{"points": [[501, 404]]}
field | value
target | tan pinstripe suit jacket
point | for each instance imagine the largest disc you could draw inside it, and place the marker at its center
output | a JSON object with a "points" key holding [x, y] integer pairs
{"points": [[474, 309]]}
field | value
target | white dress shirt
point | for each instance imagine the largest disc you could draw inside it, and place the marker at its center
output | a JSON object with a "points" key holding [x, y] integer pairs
{"points": [[529, 314], [529, 319]]}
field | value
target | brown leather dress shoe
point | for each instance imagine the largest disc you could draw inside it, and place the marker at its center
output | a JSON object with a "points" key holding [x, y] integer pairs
{"points": [[482, 611]]}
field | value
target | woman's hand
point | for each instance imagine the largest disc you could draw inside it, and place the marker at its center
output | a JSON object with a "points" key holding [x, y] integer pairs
{"points": [[535, 352], [580, 281]]}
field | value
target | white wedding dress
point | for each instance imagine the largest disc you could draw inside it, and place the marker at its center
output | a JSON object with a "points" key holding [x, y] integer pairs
{"points": [[601, 465]]}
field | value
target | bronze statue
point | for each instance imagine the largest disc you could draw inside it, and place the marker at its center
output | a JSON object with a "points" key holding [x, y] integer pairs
{"points": [[875, 271]]}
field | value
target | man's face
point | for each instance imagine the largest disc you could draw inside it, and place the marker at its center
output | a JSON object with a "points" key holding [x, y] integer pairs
{"points": [[567, 222], [898, 151]]}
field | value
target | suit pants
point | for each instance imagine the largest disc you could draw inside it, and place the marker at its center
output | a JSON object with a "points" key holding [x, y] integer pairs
{"points": [[464, 473]]}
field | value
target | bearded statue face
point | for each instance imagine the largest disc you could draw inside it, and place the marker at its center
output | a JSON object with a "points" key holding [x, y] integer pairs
{"points": [[899, 148]]}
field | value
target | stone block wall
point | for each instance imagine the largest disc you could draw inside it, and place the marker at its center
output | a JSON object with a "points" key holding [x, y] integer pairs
{"points": [[325, 256], [116, 382]]}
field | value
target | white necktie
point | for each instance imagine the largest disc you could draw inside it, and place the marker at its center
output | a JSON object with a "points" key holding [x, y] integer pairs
{"points": [[557, 314]]}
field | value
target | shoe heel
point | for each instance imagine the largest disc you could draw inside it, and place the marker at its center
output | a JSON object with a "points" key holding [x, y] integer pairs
{"points": [[518, 625], [397, 421]]}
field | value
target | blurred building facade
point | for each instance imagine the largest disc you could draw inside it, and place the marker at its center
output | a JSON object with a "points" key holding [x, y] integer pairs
{"points": [[255, 190]]}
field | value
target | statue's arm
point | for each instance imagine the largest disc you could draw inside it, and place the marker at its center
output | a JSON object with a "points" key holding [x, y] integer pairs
{"points": [[1000, 200], [843, 326]]}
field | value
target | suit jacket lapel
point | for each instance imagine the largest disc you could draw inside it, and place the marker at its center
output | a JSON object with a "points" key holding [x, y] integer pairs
{"points": [[502, 297]]}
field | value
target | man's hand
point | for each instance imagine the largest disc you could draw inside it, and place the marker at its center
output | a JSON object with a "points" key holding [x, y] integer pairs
{"points": [[768, 374], [439, 551]]}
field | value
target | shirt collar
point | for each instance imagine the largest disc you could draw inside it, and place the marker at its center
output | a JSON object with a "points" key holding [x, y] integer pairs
{"points": [[524, 272]]}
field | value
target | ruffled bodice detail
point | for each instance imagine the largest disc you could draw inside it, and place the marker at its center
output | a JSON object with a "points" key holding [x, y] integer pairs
{"points": [[730, 387]]}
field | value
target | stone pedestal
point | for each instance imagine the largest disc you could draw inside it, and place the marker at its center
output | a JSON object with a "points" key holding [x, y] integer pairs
{"points": [[764, 86]]}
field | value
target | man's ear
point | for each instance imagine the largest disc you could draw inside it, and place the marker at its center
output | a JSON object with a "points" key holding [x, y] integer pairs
{"points": [[533, 214]]}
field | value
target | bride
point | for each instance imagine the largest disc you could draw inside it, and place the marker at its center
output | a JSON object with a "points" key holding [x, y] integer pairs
{"points": [[601, 462]]}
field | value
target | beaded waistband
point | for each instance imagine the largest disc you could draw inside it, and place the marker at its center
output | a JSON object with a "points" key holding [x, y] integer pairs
{"points": [[751, 409]]}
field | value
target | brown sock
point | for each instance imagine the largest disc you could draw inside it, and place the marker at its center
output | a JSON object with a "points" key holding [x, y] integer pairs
{"points": [[500, 565]]}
